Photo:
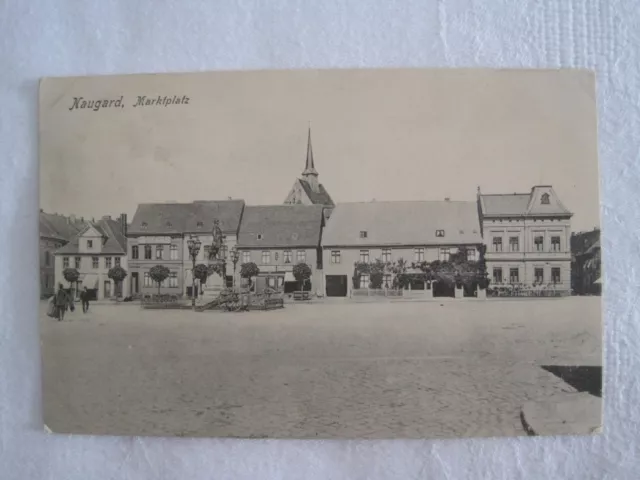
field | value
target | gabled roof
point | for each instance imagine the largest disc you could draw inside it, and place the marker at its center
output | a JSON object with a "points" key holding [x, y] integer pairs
{"points": [[58, 227], [281, 226], [522, 204], [402, 223], [179, 218], [321, 197], [113, 239]]}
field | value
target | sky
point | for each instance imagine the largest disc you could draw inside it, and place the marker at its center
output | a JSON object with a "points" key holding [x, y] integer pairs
{"points": [[377, 134]]}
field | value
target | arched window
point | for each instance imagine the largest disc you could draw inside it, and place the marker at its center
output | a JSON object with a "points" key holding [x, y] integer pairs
{"points": [[545, 199]]}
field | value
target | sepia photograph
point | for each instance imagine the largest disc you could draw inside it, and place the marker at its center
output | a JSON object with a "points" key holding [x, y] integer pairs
{"points": [[334, 254]]}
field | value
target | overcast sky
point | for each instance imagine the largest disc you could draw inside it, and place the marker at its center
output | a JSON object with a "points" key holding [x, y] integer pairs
{"points": [[388, 135]]}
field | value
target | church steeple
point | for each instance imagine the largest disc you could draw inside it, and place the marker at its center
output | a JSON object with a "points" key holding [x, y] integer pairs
{"points": [[310, 174]]}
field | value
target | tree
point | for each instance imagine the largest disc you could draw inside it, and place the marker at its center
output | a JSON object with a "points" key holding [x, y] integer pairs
{"points": [[376, 273], [249, 270], [302, 273], [201, 272], [117, 274], [71, 275], [159, 274]]}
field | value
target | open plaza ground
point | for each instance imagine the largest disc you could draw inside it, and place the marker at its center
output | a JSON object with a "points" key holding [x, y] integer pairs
{"points": [[335, 369]]}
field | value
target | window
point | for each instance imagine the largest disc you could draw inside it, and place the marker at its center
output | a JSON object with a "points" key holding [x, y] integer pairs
{"points": [[117, 260], [555, 275], [538, 274], [386, 254], [134, 252], [364, 281], [439, 233], [363, 234], [206, 250], [301, 256], [174, 252], [47, 258], [497, 244], [471, 254], [159, 252], [65, 262], [266, 257], [199, 224], [555, 244], [288, 256], [169, 224], [246, 257], [147, 279], [497, 275], [107, 262], [514, 244], [538, 242], [259, 236], [143, 225], [418, 254], [335, 256], [445, 253], [514, 276], [364, 256], [386, 280], [545, 199], [147, 252], [77, 263], [173, 280], [89, 243], [95, 262]]}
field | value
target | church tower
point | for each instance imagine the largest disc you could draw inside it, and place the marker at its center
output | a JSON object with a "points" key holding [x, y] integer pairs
{"points": [[307, 190]]}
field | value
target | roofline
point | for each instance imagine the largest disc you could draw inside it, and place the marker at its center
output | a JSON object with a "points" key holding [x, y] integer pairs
{"points": [[238, 246], [405, 201], [405, 245], [519, 215]]}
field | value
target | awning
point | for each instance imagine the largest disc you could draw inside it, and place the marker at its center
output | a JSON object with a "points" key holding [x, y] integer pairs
{"points": [[90, 280], [288, 277]]}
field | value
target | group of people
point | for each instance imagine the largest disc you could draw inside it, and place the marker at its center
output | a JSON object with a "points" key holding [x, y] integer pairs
{"points": [[63, 300]]}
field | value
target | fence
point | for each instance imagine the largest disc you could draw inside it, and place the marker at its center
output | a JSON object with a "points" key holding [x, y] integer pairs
{"points": [[520, 290], [376, 292]]}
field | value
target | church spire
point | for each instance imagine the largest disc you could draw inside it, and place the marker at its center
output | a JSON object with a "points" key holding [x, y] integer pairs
{"points": [[309, 167]]}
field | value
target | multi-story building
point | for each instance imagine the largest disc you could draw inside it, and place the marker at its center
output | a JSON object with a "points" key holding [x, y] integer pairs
{"points": [[277, 237], [307, 190], [93, 251], [527, 237], [415, 231], [159, 234], [55, 232]]}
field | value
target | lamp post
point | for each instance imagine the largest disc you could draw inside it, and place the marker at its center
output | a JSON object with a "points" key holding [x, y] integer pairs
{"points": [[234, 259], [194, 247]]}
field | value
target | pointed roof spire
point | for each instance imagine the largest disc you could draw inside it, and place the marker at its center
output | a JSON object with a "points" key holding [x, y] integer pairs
{"points": [[309, 167]]}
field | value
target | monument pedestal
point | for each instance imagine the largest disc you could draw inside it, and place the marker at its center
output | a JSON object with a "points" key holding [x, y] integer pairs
{"points": [[459, 292], [481, 294]]}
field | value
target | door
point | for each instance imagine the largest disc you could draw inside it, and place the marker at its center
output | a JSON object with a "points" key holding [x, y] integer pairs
{"points": [[134, 283], [336, 285], [107, 289]]}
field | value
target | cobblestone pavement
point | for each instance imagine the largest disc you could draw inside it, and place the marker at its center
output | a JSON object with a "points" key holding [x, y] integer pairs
{"points": [[374, 370]]}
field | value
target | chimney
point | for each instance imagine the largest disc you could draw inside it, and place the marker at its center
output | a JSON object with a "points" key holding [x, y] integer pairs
{"points": [[123, 223], [447, 199], [106, 217]]}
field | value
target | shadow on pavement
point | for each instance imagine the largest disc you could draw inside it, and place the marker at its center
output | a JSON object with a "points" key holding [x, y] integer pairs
{"points": [[583, 379]]}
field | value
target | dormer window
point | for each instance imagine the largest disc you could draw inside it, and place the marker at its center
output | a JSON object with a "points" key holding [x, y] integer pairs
{"points": [[199, 224], [439, 233], [544, 200], [169, 224], [143, 225], [363, 234], [259, 236], [89, 243]]}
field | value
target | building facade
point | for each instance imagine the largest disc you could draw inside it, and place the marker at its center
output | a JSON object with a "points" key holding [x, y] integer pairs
{"points": [[55, 231], [419, 231], [527, 238], [276, 238], [93, 251], [159, 234]]}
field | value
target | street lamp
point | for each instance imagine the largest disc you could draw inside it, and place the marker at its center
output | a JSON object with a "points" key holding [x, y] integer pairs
{"points": [[194, 247], [234, 259]]}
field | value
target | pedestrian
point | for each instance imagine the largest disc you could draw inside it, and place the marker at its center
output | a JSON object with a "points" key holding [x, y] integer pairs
{"points": [[84, 297], [61, 301]]}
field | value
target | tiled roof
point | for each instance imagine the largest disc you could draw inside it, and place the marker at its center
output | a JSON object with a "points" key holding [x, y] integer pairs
{"points": [[317, 198], [403, 223], [281, 226], [178, 218], [510, 204], [114, 242], [59, 226]]}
